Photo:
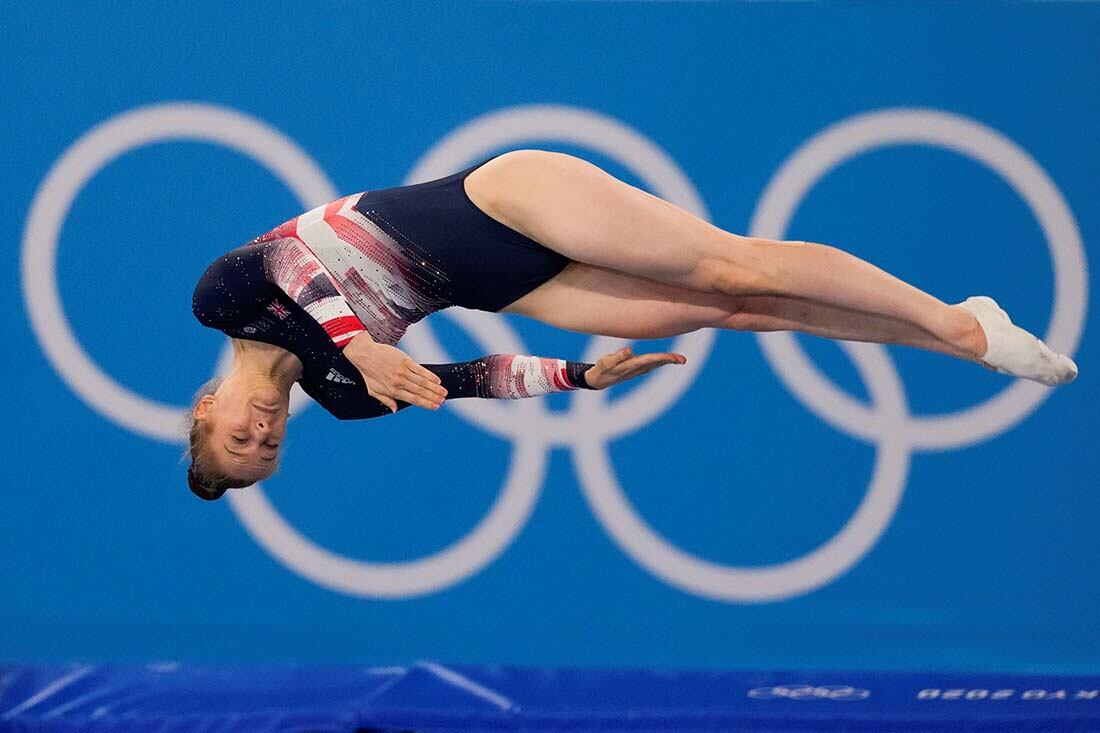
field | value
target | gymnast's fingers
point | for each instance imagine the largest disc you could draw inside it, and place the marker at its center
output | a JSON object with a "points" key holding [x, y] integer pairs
{"points": [[662, 358], [437, 389], [388, 402], [422, 391], [415, 399], [422, 371], [615, 358], [651, 361], [646, 369]]}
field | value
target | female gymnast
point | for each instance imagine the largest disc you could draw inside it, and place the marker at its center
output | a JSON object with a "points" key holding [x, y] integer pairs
{"points": [[322, 299]]}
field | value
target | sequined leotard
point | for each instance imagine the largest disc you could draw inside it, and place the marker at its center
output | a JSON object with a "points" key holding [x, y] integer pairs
{"points": [[315, 282]]}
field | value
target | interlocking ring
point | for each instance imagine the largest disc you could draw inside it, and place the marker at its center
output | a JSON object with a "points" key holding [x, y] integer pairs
{"points": [[592, 421]]}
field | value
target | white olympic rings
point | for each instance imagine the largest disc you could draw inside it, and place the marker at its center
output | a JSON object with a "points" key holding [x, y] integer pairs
{"points": [[861, 134], [54, 197], [590, 423]]}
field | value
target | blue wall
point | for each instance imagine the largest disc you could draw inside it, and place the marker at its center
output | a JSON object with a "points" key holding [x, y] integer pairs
{"points": [[868, 507]]}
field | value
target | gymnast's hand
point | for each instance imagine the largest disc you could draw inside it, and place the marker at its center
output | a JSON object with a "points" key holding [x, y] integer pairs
{"points": [[623, 365], [391, 375]]}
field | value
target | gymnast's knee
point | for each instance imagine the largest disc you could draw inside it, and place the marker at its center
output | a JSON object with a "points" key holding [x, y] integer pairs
{"points": [[744, 273], [743, 314]]}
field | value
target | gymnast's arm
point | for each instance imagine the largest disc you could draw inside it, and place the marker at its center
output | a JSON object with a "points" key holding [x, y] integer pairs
{"points": [[238, 287], [396, 381], [393, 377], [508, 376], [387, 372]]}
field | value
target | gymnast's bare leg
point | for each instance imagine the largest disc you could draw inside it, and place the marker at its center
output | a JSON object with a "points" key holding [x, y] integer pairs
{"points": [[595, 300], [575, 208]]}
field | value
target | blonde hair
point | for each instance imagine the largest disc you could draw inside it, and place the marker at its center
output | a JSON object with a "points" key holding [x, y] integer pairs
{"points": [[204, 478]]}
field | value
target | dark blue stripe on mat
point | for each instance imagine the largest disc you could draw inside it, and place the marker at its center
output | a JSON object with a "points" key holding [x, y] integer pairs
{"points": [[171, 698]]}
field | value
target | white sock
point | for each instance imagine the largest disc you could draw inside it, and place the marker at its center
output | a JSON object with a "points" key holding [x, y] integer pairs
{"points": [[1012, 350]]}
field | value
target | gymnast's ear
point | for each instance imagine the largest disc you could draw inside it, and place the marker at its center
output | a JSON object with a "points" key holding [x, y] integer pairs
{"points": [[203, 405]]}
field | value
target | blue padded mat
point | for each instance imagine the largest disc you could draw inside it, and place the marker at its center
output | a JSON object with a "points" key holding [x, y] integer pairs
{"points": [[427, 696]]}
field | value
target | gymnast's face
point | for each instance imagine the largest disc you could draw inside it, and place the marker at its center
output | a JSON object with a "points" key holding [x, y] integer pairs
{"points": [[247, 423]]}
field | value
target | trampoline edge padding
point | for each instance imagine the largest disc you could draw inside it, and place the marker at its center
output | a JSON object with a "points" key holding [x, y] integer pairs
{"points": [[430, 696]]}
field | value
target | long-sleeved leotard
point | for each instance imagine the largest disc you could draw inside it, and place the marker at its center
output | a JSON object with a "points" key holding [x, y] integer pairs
{"points": [[276, 290]]}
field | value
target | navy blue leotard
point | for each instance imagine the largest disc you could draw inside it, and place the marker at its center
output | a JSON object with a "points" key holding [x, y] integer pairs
{"points": [[379, 262]]}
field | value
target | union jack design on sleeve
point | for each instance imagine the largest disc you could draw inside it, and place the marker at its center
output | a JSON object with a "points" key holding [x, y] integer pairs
{"points": [[380, 284], [511, 376], [291, 266], [278, 310]]}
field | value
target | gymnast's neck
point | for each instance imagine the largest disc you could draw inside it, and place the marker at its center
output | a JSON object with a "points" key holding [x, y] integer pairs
{"points": [[257, 361]]}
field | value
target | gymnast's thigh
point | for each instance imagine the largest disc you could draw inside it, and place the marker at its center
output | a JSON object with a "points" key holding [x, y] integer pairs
{"points": [[578, 210], [596, 300]]}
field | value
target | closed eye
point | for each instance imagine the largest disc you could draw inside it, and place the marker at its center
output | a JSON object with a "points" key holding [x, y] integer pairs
{"points": [[242, 441]]}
